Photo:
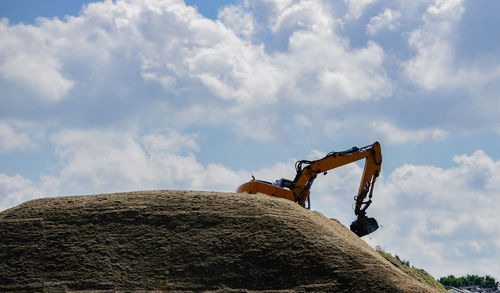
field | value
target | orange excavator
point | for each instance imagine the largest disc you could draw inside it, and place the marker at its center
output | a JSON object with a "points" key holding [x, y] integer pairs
{"points": [[298, 189]]}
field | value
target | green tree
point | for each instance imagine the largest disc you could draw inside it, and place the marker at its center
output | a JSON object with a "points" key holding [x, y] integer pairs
{"points": [[469, 280], [490, 282]]}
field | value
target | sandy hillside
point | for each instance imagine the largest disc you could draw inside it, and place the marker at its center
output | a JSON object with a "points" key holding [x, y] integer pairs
{"points": [[186, 241]]}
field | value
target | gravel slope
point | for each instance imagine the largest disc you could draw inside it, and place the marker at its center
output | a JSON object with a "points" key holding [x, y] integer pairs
{"points": [[186, 241]]}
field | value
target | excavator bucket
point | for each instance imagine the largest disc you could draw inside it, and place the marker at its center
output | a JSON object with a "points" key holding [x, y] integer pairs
{"points": [[364, 226]]}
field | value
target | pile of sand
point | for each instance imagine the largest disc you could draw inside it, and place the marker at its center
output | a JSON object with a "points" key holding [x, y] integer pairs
{"points": [[186, 240]]}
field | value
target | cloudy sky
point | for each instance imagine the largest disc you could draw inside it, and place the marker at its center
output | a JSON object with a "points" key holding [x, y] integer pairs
{"points": [[127, 95]]}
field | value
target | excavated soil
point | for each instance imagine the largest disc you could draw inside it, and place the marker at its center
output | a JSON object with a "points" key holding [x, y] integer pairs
{"points": [[186, 241]]}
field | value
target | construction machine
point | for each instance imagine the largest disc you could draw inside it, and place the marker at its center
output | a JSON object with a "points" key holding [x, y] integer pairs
{"points": [[297, 190]]}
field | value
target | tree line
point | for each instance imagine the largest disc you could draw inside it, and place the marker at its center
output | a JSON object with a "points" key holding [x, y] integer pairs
{"points": [[469, 280]]}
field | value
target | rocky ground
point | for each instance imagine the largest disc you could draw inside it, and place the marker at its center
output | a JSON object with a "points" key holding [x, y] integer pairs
{"points": [[186, 241]]}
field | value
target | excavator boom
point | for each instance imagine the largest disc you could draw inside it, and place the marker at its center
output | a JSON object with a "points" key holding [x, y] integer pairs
{"points": [[298, 189]]}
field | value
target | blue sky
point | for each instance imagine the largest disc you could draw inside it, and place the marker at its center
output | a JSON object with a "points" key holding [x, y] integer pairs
{"points": [[165, 94]]}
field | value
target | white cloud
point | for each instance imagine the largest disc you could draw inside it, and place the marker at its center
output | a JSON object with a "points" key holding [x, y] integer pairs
{"points": [[109, 160], [435, 64], [27, 62], [446, 8], [340, 76], [357, 7], [433, 44], [11, 139], [442, 218], [15, 190], [303, 15], [171, 141], [259, 129], [99, 161], [226, 65], [386, 19], [395, 135], [301, 121], [239, 20], [168, 82]]}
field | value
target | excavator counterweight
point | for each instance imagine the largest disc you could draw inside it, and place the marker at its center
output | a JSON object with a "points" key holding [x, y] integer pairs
{"points": [[298, 190]]}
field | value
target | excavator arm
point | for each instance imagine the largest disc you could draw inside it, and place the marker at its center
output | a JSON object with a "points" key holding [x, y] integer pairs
{"points": [[298, 190]]}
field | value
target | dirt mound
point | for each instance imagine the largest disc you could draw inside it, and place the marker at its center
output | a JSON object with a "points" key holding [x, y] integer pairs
{"points": [[186, 240]]}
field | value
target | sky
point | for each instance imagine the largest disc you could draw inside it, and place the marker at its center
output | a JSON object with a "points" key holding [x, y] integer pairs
{"points": [[112, 96]]}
